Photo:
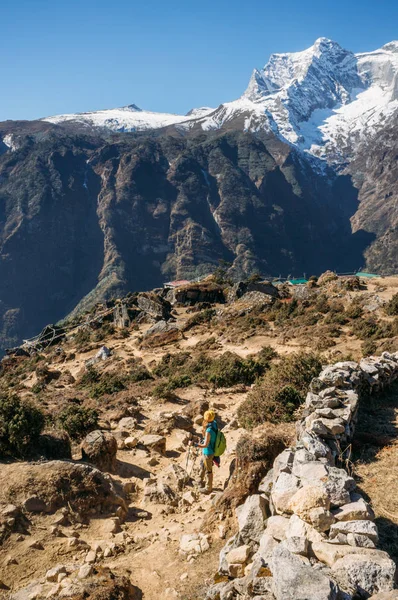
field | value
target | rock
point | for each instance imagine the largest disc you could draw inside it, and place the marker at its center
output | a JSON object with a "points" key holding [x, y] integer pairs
{"points": [[175, 476], [338, 486], [311, 471], [367, 528], [154, 306], [130, 442], [52, 574], [36, 545], [251, 516], [266, 483], [238, 555], [316, 446], [267, 545], [99, 448], [156, 490], [293, 580], [299, 528], [85, 571], [296, 545], [283, 463], [361, 541], [327, 428], [155, 443], [368, 573], [328, 552], [11, 511], [307, 498], [194, 544], [111, 525], [35, 504], [127, 424], [188, 498], [237, 570], [277, 526], [233, 542], [91, 557], [354, 511], [283, 490], [320, 518]]}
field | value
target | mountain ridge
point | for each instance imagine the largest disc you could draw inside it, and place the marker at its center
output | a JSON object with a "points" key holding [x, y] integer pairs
{"points": [[320, 100]]}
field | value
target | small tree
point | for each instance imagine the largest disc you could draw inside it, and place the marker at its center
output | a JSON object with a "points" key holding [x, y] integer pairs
{"points": [[20, 426], [77, 421]]}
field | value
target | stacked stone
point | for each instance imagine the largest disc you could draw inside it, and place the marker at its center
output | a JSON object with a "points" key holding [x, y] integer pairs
{"points": [[307, 534]]}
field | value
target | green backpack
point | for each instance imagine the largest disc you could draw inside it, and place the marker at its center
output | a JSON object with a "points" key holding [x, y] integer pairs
{"points": [[220, 445]]}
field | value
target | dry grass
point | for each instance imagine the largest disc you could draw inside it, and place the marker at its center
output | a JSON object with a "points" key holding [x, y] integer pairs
{"points": [[376, 465]]}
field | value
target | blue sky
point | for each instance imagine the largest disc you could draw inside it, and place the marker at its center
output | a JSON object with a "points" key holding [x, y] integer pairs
{"points": [[165, 55]]}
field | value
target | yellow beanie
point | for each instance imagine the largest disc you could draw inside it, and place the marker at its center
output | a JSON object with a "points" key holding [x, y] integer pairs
{"points": [[209, 416]]}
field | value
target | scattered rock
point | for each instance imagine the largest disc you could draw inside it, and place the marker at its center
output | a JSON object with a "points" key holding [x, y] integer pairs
{"points": [[194, 544], [100, 448], [155, 443], [35, 504]]}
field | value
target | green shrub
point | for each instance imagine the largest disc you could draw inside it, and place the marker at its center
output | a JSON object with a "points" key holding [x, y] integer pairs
{"points": [[369, 347], [109, 383], [391, 307], [266, 354], [78, 421], [139, 373], [90, 377], [170, 363], [371, 328], [20, 426], [354, 311], [229, 369], [281, 391], [82, 338]]}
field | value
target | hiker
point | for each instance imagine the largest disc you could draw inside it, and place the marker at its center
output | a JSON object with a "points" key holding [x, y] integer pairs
{"points": [[210, 430]]}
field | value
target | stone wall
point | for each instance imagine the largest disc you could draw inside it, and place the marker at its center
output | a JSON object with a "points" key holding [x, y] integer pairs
{"points": [[308, 534]]}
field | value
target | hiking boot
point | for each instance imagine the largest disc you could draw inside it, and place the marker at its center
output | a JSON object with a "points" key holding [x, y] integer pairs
{"points": [[205, 490]]}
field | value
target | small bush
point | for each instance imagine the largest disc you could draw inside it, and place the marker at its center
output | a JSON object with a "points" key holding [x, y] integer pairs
{"points": [[281, 391], [229, 369], [266, 354], [109, 383], [369, 347], [90, 377], [139, 373], [391, 307], [354, 311], [20, 426], [78, 421], [82, 338]]}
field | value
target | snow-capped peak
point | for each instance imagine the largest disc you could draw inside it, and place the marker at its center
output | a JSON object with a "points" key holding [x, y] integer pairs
{"points": [[324, 100]]}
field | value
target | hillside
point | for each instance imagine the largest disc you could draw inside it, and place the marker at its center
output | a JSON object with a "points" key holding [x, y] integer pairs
{"points": [[146, 384]]}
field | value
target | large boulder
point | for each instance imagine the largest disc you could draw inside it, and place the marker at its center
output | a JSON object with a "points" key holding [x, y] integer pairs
{"points": [[251, 518], [369, 573], [154, 306], [60, 484], [295, 580], [99, 448]]}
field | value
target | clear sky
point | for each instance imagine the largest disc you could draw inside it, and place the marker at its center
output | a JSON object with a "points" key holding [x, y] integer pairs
{"points": [[61, 56]]}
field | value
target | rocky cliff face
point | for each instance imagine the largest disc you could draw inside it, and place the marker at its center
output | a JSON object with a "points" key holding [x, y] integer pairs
{"points": [[85, 215]]}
